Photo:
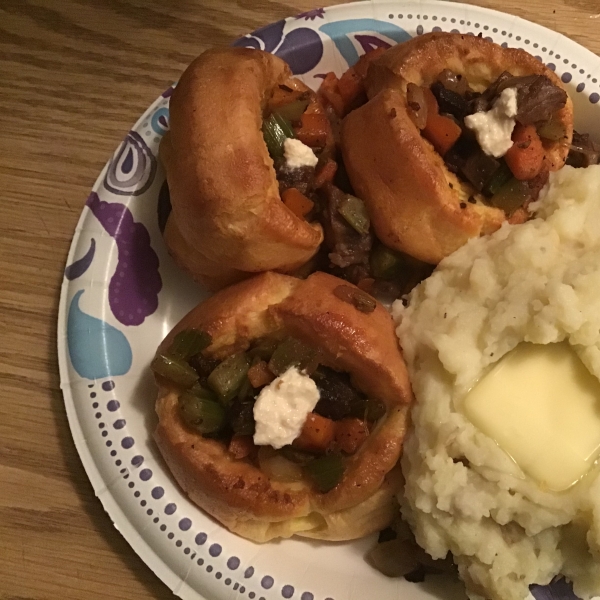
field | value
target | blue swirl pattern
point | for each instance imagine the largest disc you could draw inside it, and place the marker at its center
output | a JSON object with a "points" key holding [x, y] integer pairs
{"points": [[340, 32], [96, 349], [160, 121]]}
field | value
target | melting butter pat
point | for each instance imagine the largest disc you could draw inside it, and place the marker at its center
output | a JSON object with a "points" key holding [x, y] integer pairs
{"points": [[541, 405]]}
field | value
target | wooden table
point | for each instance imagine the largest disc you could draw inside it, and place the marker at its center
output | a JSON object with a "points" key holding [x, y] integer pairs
{"points": [[76, 74]]}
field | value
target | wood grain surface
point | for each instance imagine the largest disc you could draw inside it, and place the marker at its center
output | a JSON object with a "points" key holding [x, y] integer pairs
{"points": [[75, 75]]}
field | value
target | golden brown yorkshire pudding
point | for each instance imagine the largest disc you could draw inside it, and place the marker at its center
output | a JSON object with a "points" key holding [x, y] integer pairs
{"points": [[262, 493], [416, 203], [227, 218]]}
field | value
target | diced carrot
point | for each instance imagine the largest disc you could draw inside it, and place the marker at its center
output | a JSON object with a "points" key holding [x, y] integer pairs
{"points": [[526, 156], [314, 129], [442, 132], [297, 202], [350, 434], [352, 89], [260, 374], [241, 446], [345, 93], [329, 91], [326, 173], [362, 66], [316, 435]]}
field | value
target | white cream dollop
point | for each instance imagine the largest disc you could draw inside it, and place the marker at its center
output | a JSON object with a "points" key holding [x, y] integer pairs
{"points": [[494, 127], [282, 407], [298, 154]]}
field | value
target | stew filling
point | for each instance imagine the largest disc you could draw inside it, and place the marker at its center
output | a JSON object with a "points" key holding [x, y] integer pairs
{"points": [[318, 189], [495, 140], [584, 152], [218, 399], [298, 133]]}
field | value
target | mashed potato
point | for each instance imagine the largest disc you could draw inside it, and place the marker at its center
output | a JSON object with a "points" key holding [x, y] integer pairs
{"points": [[538, 282]]}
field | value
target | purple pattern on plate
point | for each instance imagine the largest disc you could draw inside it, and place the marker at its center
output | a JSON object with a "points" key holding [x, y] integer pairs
{"points": [[133, 289], [137, 460], [168, 92], [81, 265], [559, 589], [109, 385], [127, 442], [272, 39], [132, 170], [158, 492], [247, 42], [200, 538], [315, 13], [310, 44], [270, 36], [113, 405], [185, 524], [371, 42]]}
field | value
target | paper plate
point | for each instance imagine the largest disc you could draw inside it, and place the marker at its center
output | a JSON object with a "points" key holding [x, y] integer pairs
{"points": [[121, 294]]}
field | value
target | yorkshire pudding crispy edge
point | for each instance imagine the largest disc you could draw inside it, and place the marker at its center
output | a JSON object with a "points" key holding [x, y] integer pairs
{"points": [[227, 219], [236, 492], [415, 203]]}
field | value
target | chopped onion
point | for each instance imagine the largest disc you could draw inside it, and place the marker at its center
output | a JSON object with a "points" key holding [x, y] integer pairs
{"points": [[453, 82], [277, 467]]}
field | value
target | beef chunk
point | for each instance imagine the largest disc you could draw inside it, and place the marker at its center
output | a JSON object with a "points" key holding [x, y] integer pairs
{"points": [[584, 151], [484, 102], [303, 178], [338, 398], [347, 246], [537, 97], [450, 102]]}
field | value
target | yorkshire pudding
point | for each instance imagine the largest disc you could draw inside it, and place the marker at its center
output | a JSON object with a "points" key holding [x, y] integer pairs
{"points": [[227, 218], [236, 491], [416, 204]]}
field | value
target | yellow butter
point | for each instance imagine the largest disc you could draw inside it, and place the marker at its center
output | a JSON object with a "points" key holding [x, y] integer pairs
{"points": [[541, 405]]}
